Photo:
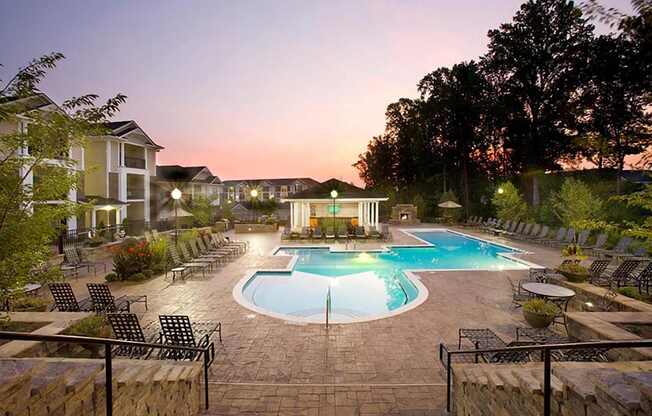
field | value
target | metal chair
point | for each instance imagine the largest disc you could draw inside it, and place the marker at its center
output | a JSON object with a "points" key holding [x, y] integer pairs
{"points": [[518, 296], [485, 339], [644, 279], [621, 276], [179, 267], [104, 301], [126, 327], [178, 330], [65, 299]]}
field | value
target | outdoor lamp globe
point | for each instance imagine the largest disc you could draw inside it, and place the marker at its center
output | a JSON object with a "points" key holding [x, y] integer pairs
{"points": [[175, 194], [333, 194], [254, 193]]}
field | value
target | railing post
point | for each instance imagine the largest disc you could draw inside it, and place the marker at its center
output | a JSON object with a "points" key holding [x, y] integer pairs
{"points": [[206, 376], [108, 371], [546, 382], [448, 382]]}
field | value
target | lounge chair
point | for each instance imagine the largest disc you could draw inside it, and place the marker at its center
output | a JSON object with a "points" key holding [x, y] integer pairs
{"points": [[72, 258], [569, 238], [644, 279], [317, 234], [178, 267], [541, 235], [330, 233], [126, 327], [178, 330], [104, 301], [583, 237], [486, 339], [305, 233], [342, 232], [195, 263], [600, 241], [619, 249], [621, 276], [221, 241], [533, 230], [525, 231], [286, 234], [546, 336], [387, 234], [373, 232], [65, 299], [359, 233], [190, 265], [209, 246], [214, 258], [561, 234], [596, 269]]}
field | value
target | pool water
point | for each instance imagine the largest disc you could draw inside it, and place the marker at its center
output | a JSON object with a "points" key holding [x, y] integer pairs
{"points": [[366, 284]]}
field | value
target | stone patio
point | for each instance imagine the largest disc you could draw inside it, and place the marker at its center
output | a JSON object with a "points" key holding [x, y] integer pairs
{"points": [[387, 366]]}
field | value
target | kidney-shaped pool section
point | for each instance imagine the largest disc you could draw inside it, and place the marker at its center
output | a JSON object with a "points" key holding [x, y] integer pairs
{"points": [[365, 285]]}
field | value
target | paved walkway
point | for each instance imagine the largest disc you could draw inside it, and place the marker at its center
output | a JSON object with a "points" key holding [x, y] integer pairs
{"points": [[387, 366]]}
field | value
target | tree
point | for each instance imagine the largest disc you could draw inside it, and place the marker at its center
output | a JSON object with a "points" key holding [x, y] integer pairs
{"points": [[509, 203], [643, 200], [202, 210], [456, 100], [616, 123], [376, 165], [575, 203], [27, 224], [535, 64]]}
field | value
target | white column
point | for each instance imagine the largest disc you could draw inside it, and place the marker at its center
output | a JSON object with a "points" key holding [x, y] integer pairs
{"points": [[117, 216], [306, 214], [291, 215], [93, 218], [360, 214], [376, 214]]}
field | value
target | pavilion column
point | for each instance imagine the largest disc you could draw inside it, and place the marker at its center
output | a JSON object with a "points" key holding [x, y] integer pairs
{"points": [[360, 214], [93, 218], [291, 215], [376, 214], [307, 215], [363, 220]]}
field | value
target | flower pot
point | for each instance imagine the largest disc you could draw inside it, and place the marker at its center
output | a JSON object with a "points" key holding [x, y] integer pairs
{"points": [[537, 320], [575, 277]]}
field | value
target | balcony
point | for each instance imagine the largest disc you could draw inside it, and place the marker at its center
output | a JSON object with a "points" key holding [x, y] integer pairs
{"points": [[135, 186], [134, 162]]}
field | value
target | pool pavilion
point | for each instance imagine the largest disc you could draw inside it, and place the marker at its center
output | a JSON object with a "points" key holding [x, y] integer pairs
{"points": [[334, 201]]}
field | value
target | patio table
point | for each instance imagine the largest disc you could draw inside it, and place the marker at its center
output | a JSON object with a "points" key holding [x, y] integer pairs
{"points": [[546, 290]]}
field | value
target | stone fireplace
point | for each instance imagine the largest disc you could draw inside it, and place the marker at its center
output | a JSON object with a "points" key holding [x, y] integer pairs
{"points": [[404, 214]]}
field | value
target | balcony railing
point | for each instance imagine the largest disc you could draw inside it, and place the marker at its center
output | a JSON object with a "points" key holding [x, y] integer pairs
{"points": [[134, 162]]}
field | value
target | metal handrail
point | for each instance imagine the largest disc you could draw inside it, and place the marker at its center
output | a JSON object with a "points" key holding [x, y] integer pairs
{"points": [[546, 349], [328, 306], [207, 352]]}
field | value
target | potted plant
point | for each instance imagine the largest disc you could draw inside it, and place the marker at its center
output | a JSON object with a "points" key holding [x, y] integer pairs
{"points": [[539, 313], [574, 272], [91, 326], [573, 251]]}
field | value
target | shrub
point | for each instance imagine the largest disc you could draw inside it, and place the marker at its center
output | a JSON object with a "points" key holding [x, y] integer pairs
{"points": [[631, 292], [509, 203], [574, 268], [132, 257], [111, 277], [572, 250], [541, 307], [575, 202], [91, 326], [29, 304], [138, 277]]}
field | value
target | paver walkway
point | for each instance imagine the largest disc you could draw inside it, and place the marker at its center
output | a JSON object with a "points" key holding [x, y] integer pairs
{"points": [[387, 366]]}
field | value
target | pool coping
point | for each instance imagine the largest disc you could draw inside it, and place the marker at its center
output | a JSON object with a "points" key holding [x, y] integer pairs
{"points": [[411, 274]]}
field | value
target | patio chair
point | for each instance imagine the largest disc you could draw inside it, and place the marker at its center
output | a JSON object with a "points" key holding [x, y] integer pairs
{"points": [[219, 241], [243, 244], [65, 299], [518, 296], [644, 279], [73, 259], [330, 233], [213, 247], [583, 237], [533, 231], [126, 327], [541, 235], [305, 233], [485, 338], [189, 265], [561, 234], [373, 232], [569, 238], [342, 232], [202, 265], [517, 231], [178, 268], [178, 330], [197, 253], [286, 234], [619, 249], [621, 276], [560, 318], [596, 269], [359, 233], [600, 241], [546, 336], [104, 301], [384, 230], [317, 234]]}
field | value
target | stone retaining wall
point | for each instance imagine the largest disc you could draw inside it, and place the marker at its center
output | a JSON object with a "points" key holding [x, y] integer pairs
{"points": [[586, 292], [53, 386], [578, 389], [256, 228]]}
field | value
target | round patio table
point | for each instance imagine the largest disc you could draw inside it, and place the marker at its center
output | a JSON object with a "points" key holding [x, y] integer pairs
{"points": [[547, 290]]}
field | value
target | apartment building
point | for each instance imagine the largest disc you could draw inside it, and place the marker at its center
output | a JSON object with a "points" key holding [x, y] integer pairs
{"points": [[74, 159], [120, 166], [192, 181]]}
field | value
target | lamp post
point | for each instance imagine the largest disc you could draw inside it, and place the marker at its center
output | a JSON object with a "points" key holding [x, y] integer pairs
{"points": [[176, 196], [501, 190], [254, 195], [334, 196]]}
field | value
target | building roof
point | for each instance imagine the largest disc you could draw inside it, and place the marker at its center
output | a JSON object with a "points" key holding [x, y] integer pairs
{"points": [[177, 173], [271, 181], [344, 191], [97, 200], [122, 128], [21, 105]]}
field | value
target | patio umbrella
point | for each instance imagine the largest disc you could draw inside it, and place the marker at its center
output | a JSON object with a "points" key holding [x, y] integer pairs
{"points": [[449, 204], [169, 214]]}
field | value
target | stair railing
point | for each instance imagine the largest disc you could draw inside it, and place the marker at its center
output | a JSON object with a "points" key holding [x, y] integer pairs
{"points": [[545, 350], [328, 306], [207, 353]]}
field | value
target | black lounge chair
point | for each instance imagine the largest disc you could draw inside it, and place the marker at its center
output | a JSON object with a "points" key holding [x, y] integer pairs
{"points": [[104, 301], [621, 276], [619, 250], [126, 327], [65, 299], [644, 279], [190, 266], [583, 237], [561, 234], [203, 265], [207, 246], [569, 238], [317, 235], [213, 258], [359, 232], [373, 232], [542, 234], [305, 233], [546, 336], [596, 269], [600, 241], [178, 330], [178, 268], [486, 339], [74, 258]]}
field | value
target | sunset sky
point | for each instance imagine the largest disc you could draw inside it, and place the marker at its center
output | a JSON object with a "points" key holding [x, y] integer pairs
{"points": [[251, 88]]}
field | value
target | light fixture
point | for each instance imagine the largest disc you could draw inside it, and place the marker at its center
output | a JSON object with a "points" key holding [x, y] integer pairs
{"points": [[333, 194], [106, 208], [175, 194], [254, 193], [501, 191]]}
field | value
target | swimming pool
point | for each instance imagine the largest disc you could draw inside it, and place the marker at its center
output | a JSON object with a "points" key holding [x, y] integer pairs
{"points": [[365, 285]]}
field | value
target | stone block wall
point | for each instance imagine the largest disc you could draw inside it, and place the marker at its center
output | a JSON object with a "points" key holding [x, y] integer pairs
{"points": [[578, 389], [63, 387]]}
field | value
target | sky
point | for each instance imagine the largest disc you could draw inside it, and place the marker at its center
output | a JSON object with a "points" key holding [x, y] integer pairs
{"points": [[251, 89]]}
